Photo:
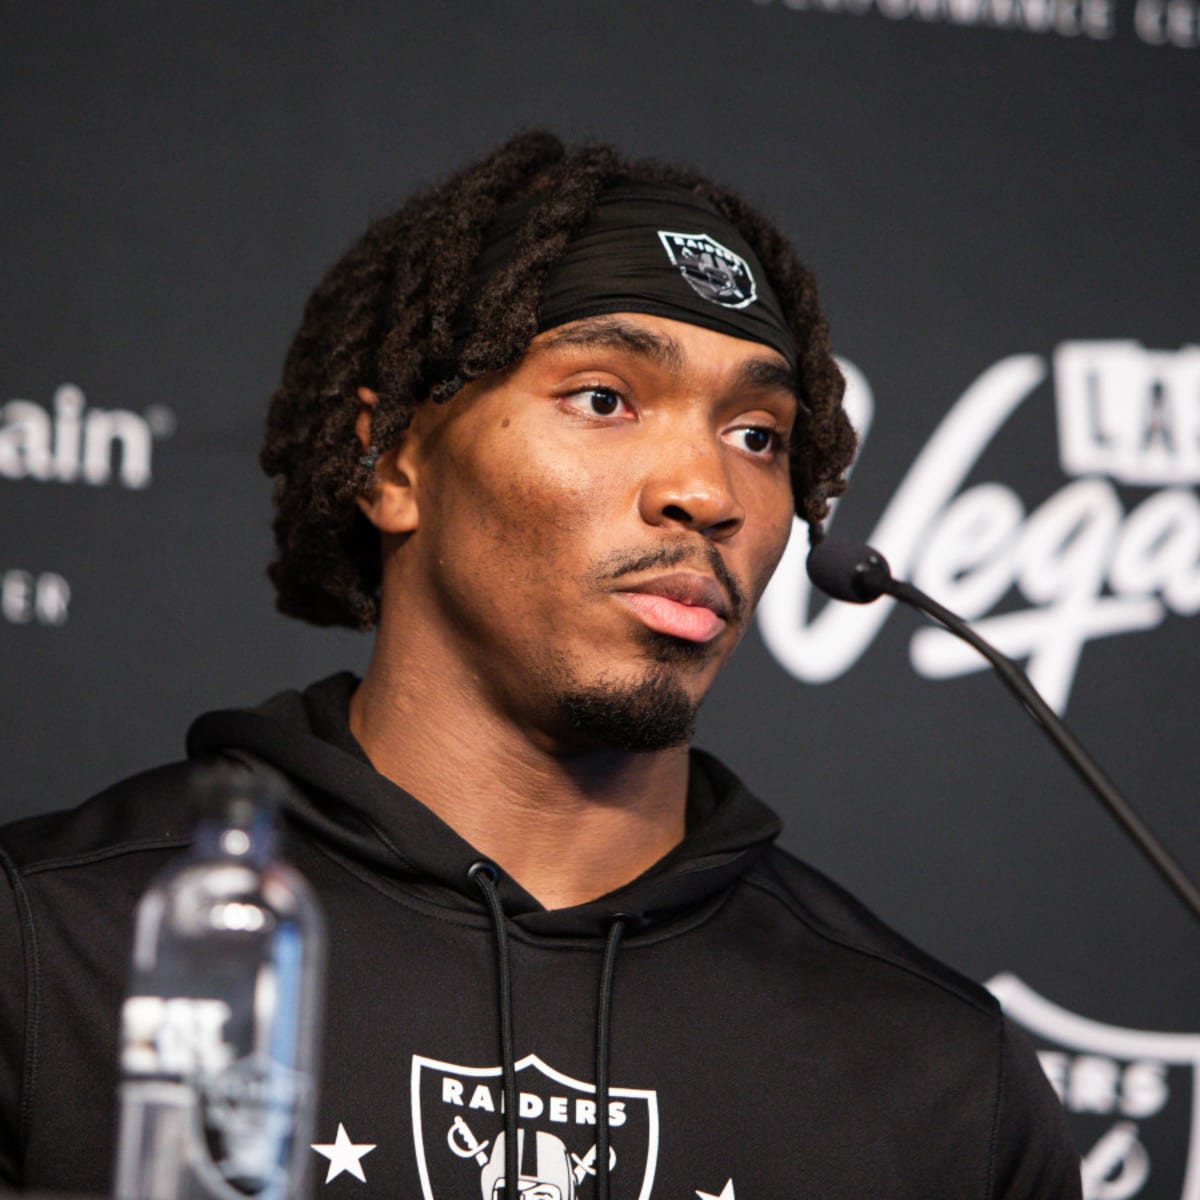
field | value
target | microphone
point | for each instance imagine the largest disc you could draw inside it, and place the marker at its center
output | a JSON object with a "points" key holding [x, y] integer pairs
{"points": [[858, 573], [851, 571]]}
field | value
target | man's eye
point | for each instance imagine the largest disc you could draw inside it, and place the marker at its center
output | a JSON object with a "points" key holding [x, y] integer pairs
{"points": [[757, 439], [597, 401]]}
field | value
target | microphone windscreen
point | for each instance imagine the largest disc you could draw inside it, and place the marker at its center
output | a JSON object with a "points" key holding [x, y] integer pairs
{"points": [[847, 570]]}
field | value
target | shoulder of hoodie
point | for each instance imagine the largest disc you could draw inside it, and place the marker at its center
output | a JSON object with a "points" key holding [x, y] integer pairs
{"points": [[832, 914], [154, 810]]}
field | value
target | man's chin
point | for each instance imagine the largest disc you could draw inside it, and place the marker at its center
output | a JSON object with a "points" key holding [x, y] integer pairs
{"points": [[653, 713]]}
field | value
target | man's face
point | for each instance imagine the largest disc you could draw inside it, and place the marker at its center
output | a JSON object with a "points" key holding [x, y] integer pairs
{"points": [[595, 525]]}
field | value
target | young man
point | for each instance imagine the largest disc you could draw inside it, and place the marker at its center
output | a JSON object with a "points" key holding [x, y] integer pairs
{"points": [[545, 428]]}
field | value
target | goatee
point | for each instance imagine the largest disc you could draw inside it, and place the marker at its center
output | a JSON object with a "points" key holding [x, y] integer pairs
{"points": [[652, 714]]}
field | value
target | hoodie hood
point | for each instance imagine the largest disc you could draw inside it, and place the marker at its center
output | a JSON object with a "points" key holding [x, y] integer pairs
{"points": [[346, 802]]}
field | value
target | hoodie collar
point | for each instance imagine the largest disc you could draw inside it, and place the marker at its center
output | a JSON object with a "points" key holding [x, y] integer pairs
{"points": [[342, 799]]}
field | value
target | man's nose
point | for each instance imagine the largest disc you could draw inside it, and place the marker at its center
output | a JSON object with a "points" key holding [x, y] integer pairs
{"points": [[688, 485]]}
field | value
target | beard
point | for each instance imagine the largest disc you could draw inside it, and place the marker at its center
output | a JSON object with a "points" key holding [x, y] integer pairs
{"points": [[652, 713]]}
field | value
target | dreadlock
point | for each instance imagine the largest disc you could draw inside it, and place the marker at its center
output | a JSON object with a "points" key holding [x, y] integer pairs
{"points": [[384, 317]]}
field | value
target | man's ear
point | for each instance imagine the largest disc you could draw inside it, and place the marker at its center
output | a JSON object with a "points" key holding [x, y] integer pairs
{"points": [[391, 503]]}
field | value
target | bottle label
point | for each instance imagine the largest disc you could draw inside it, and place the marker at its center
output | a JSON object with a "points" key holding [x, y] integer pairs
{"points": [[249, 1113], [246, 1107], [176, 1038]]}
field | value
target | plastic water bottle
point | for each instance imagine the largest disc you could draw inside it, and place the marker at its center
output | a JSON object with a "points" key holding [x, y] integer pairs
{"points": [[220, 1025]]}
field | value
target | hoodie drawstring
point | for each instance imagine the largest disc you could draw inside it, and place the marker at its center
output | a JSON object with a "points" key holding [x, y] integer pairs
{"points": [[603, 1013], [484, 875]]}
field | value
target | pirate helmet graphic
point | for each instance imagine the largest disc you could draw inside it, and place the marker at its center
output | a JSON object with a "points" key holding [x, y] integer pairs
{"points": [[549, 1176], [709, 275], [714, 272], [458, 1115]]}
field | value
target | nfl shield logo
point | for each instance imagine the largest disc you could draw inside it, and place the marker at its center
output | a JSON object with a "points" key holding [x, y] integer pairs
{"points": [[714, 271], [1130, 1095], [458, 1133]]}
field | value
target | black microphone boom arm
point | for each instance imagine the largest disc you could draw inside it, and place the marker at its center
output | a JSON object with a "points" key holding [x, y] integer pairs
{"points": [[860, 574]]}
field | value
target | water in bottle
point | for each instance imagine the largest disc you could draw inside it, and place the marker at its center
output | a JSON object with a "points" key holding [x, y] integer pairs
{"points": [[219, 1028]]}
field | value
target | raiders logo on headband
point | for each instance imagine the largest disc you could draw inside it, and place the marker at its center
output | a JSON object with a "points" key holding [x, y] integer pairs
{"points": [[714, 271]]}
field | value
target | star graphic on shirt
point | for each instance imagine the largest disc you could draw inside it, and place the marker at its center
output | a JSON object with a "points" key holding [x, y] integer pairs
{"points": [[344, 1155], [726, 1193]]}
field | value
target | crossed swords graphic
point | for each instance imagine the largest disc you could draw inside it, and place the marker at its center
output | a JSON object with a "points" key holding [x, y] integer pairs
{"points": [[465, 1144]]}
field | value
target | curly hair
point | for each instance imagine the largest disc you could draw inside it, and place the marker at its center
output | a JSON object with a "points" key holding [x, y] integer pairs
{"points": [[384, 318]]}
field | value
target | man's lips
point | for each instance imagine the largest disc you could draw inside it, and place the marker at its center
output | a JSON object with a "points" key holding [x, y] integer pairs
{"points": [[681, 604]]}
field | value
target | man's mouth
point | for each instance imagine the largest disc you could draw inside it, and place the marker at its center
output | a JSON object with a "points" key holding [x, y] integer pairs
{"points": [[681, 604]]}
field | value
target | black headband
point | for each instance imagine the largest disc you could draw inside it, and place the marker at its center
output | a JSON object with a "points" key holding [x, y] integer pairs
{"points": [[649, 248]]}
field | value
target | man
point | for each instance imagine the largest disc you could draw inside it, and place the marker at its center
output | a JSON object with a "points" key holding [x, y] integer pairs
{"points": [[545, 428]]}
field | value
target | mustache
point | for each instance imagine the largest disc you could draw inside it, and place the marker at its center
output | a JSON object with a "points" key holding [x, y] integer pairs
{"points": [[621, 563]]}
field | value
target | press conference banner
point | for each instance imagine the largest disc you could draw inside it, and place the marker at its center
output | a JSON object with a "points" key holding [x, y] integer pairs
{"points": [[1001, 200]]}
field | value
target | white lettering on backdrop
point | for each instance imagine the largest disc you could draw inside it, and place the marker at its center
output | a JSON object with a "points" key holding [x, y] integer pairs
{"points": [[1084, 566], [71, 443]]}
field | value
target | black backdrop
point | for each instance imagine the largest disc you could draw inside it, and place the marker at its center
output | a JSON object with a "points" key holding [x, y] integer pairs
{"points": [[1001, 200]]}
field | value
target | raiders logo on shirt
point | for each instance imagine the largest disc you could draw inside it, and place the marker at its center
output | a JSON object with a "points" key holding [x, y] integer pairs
{"points": [[458, 1131]]}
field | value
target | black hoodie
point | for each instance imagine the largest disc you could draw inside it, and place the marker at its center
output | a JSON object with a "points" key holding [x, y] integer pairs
{"points": [[764, 1035]]}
